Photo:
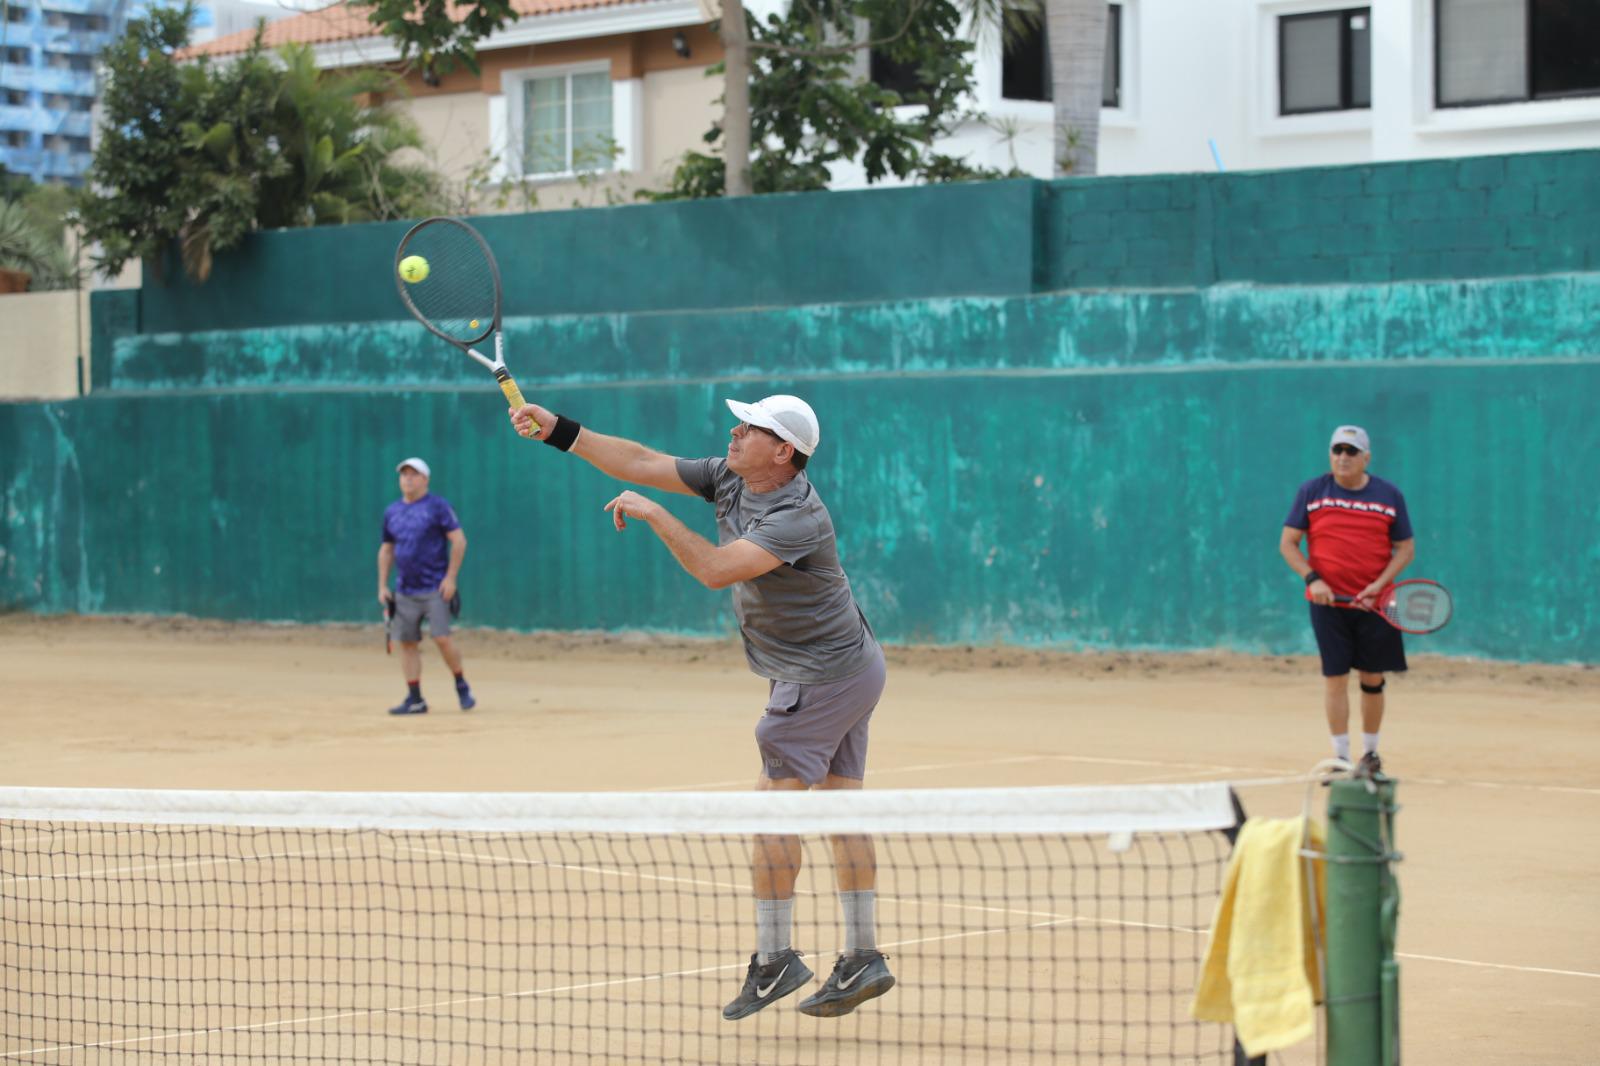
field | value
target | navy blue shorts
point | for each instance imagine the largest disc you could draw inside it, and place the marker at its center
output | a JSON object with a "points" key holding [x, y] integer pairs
{"points": [[1349, 638]]}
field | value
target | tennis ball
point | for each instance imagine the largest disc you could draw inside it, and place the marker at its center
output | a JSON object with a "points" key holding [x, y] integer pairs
{"points": [[473, 324], [413, 268]]}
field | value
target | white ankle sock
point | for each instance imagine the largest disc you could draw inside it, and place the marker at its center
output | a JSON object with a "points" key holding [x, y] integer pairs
{"points": [[773, 919]]}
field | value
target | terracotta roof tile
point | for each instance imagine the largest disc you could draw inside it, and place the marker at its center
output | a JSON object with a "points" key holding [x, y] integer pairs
{"points": [[343, 22]]}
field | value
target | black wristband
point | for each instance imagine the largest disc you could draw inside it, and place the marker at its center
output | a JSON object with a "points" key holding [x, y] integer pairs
{"points": [[563, 433], [1312, 575]]}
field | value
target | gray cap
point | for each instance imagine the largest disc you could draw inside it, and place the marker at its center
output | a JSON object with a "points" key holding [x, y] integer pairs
{"points": [[1351, 435]]}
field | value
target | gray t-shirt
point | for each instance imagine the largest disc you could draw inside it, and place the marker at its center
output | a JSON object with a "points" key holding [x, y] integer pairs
{"points": [[799, 622]]}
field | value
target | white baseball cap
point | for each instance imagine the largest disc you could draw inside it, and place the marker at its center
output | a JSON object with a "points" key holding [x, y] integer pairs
{"points": [[1351, 435], [419, 465], [790, 417]]}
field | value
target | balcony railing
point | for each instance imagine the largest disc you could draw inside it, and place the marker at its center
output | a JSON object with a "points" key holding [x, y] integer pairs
{"points": [[47, 80], [39, 164]]}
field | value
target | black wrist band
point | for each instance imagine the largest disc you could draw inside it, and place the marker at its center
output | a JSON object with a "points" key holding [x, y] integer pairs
{"points": [[1311, 576], [564, 433]]}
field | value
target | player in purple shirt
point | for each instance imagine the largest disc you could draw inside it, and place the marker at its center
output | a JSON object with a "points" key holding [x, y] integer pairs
{"points": [[423, 541]]}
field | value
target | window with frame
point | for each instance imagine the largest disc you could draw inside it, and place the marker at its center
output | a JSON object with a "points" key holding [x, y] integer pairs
{"points": [[1513, 51], [566, 123], [1325, 61], [1025, 63], [898, 76]]}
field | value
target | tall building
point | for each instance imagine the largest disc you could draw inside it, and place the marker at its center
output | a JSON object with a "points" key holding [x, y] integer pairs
{"points": [[48, 54]]}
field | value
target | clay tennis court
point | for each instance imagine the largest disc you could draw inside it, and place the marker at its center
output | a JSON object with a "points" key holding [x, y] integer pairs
{"points": [[1499, 765]]}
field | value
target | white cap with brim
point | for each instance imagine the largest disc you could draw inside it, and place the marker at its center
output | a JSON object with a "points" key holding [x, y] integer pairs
{"points": [[419, 465], [1351, 435], [790, 417]]}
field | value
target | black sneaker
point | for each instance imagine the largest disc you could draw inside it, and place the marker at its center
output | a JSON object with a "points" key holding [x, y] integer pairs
{"points": [[857, 977], [411, 705], [464, 694], [1369, 766], [764, 985]]}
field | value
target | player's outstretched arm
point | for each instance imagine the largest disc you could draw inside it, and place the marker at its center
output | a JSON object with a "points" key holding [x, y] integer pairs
{"points": [[619, 457], [715, 567]]}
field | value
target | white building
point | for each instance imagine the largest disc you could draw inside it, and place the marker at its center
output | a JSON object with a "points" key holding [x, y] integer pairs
{"points": [[1269, 83], [1284, 83]]}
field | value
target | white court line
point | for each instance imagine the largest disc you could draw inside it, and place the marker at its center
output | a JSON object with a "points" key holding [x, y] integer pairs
{"points": [[1284, 777], [529, 993], [1497, 965], [1049, 920], [215, 860]]}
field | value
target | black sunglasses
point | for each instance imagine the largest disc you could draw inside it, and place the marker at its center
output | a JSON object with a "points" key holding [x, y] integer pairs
{"points": [[761, 429], [1346, 449]]}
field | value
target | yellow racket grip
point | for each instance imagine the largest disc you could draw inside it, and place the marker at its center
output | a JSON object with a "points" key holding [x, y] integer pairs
{"points": [[513, 394]]}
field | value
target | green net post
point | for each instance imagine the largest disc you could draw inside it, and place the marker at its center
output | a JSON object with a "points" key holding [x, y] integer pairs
{"points": [[1363, 988]]}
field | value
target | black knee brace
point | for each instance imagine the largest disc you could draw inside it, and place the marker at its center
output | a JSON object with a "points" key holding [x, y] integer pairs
{"points": [[1373, 690]]}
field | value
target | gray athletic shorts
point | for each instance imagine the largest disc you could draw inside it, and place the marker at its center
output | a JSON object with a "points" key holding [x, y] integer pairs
{"points": [[406, 626], [811, 731]]}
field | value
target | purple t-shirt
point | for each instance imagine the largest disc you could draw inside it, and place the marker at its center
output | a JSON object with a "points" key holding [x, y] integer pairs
{"points": [[421, 549]]}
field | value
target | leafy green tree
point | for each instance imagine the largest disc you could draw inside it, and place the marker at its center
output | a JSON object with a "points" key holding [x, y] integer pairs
{"points": [[794, 99], [203, 153], [810, 107]]}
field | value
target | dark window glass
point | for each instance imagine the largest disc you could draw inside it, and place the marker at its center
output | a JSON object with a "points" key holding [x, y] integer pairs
{"points": [[900, 77], [1566, 47], [1025, 63], [1360, 41], [1111, 77], [1508, 51], [1325, 61]]}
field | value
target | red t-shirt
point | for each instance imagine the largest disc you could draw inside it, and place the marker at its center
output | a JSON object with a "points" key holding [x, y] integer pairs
{"points": [[1352, 532]]}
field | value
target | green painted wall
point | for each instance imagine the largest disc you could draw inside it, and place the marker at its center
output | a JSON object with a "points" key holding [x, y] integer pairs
{"points": [[1490, 216], [1475, 217], [1067, 412], [753, 252], [1106, 469]]}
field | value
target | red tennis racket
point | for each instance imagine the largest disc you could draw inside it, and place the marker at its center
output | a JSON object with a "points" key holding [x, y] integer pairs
{"points": [[1415, 606]]}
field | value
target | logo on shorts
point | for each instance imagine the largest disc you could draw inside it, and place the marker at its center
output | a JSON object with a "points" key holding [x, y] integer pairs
{"points": [[774, 762]]}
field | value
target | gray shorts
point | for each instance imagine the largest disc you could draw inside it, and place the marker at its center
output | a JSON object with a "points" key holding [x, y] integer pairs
{"points": [[406, 626], [811, 731]]}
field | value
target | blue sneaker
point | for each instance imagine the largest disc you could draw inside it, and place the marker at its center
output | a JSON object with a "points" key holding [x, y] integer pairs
{"points": [[765, 985], [411, 705], [857, 977], [464, 694]]}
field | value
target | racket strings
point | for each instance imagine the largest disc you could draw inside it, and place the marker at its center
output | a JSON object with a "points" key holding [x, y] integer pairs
{"points": [[459, 295], [1418, 607]]}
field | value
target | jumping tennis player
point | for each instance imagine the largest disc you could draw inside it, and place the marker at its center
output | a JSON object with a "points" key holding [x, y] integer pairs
{"points": [[802, 631]]}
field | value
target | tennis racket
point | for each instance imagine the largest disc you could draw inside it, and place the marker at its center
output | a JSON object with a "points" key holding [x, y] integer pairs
{"points": [[388, 626], [458, 298], [1415, 606]]}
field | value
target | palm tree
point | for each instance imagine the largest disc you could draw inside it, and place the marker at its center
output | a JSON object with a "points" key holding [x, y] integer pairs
{"points": [[1076, 31], [304, 148], [23, 246]]}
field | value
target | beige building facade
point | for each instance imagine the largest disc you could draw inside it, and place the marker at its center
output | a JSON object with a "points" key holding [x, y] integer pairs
{"points": [[46, 345], [573, 105]]}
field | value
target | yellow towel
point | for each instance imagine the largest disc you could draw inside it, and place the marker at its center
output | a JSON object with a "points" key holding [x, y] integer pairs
{"points": [[1260, 969]]}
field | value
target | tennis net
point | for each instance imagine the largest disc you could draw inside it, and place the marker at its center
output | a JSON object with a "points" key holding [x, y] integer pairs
{"points": [[1055, 925]]}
